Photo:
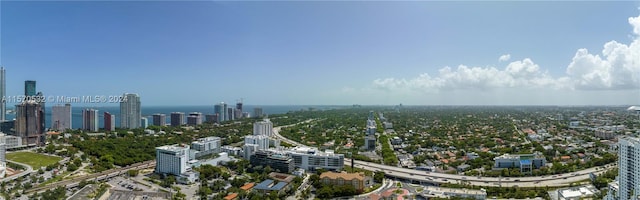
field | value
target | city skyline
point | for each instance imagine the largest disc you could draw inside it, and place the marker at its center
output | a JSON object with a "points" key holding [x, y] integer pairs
{"points": [[327, 53]]}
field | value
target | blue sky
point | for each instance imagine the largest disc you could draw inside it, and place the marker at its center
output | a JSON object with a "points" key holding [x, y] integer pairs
{"points": [[279, 53]]}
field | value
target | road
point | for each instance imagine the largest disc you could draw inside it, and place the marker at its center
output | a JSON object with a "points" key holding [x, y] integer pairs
{"points": [[434, 177], [21, 174], [98, 176]]}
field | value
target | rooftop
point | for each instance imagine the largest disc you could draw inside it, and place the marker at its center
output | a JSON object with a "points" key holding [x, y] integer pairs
{"points": [[248, 186], [174, 147], [268, 185]]}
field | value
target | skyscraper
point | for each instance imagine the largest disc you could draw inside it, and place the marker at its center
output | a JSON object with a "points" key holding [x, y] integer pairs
{"points": [[177, 118], [628, 170], [3, 94], [130, 113], [238, 112], [29, 123], [159, 119], [257, 112], [30, 88], [263, 128], [144, 122], [194, 118], [230, 113], [109, 122], [90, 119], [221, 110], [61, 117]]}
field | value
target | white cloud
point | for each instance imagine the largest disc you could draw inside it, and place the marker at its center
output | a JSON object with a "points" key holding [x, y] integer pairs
{"points": [[618, 67], [505, 57]]}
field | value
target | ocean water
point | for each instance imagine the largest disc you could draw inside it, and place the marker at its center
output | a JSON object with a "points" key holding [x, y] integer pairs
{"points": [[147, 111]]}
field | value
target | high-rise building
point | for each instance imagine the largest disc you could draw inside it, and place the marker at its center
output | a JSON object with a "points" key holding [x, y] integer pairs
{"points": [[159, 119], [109, 122], [261, 140], [177, 118], [172, 159], [144, 122], [206, 146], [257, 112], [29, 88], [3, 151], [194, 118], [90, 119], [29, 123], [628, 170], [130, 113], [61, 117], [3, 94], [238, 112], [221, 110], [263, 128], [211, 118], [230, 114]]}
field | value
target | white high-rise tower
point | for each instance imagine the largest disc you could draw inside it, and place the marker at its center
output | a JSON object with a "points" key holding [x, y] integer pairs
{"points": [[130, 113]]}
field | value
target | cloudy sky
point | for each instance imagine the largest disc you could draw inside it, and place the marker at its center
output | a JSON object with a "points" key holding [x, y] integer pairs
{"points": [[282, 53]]}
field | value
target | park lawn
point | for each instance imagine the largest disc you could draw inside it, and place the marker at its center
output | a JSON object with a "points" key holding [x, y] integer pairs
{"points": [[34, 160]]}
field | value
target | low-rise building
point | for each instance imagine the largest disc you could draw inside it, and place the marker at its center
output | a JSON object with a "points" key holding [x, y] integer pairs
{"points": [[269, 185], [526, 162], [576, 193], [277, 161], [357, 180]]}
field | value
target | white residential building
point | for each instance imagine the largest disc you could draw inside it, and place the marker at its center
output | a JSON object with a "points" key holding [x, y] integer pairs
{"points": [[172, 159], [248, 150], [263, 128], [628, 170], [61, 117], [576, 193], [130, 113], [205, 146], [311, 158], [90, 120], [261, 140]]}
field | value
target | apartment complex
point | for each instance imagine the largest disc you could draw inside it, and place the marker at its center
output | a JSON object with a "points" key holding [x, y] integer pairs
{"points": [[311, 159], [357, 180]]}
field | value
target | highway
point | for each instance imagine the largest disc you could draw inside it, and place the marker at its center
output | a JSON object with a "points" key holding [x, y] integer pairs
{"points": [[21, 174], [438, 178], [70, 183]]}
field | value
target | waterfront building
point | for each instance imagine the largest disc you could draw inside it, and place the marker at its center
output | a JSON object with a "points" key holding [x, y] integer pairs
{"points": [[211, 118], [257, 112], [194, 118], [144, 122], [109, 122], [159, 119], [526, 162], [130, 112], [61, 117], [29, 124], [90, 120], [221, 110], [177, 118]]}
